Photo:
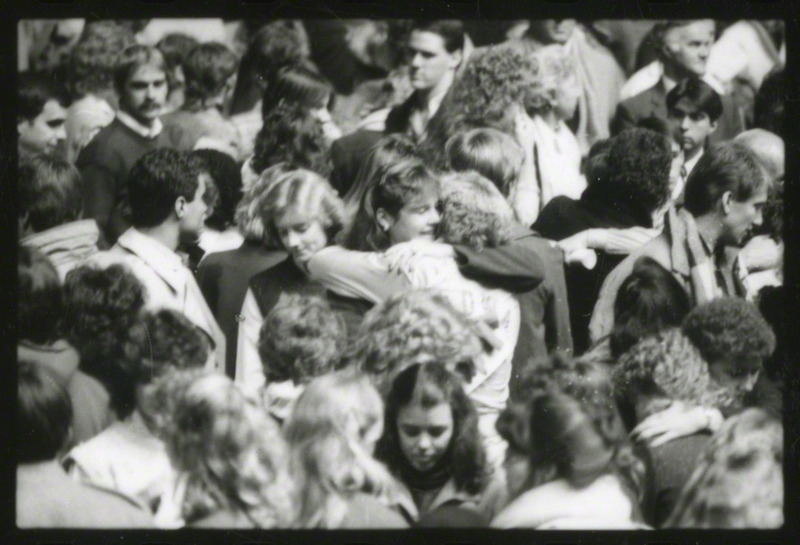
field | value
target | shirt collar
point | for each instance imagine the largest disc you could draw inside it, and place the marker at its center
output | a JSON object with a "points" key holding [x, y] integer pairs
{"points": [[669, 83], [142, 130], [689, 165]]}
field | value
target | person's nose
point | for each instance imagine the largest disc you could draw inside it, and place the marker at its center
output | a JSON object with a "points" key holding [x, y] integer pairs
{"points": [[151, 91], [61, 133], [424, 442], [685, 121], [292, 240], [416, 60], [434, 217], [759, 219]]}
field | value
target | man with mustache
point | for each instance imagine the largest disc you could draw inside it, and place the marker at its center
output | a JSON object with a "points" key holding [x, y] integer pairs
{"points": [[140, 80]]}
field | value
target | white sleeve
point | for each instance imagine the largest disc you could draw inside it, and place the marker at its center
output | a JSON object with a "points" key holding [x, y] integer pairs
{"points": [[249, 373]]}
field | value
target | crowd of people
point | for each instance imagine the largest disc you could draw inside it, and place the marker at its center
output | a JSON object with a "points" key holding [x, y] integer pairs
{"points": [[389, 274]]}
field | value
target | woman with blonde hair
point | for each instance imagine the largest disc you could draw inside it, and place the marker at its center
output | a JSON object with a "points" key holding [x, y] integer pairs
{"points": [[331, 433], [230, 458], [302, 214], [739, 480]]}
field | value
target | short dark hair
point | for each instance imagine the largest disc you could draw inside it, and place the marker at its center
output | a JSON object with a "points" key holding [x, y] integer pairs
{"points": [[729, 326], [156, 181], [699, 94], [39, 297], [206, 69], [176, 47], [133, 58], [227, 177], [770, 102], [101, 315], [638, 163], [451, 30], [725, 166], [301, 83], [49, 192], [91, 64], [648, 301], [172, 342], [34, 90], [301, 338], [44, 414]]}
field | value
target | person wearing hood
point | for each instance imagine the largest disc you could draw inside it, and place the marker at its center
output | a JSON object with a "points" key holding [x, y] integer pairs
{"points": [[49, 215]]}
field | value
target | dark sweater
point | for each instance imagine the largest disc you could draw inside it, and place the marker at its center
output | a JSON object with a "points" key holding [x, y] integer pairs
{"points": [[104, 165]]}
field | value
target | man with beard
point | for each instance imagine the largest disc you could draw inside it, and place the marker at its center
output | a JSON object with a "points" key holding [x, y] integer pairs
{"points": [[723, 201], [140, 79]]}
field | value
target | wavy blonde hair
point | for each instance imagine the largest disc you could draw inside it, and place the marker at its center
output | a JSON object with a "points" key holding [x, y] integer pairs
{"points": [[739, 480], [248, 217], [474, 212], [418, 326], [328, 432], [230, 450]]}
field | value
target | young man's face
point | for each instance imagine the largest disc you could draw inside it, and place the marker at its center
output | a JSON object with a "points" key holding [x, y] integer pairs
{"points": [[688, 46], [145, 94], [194, 212], [418, 219], [692, 126], [738, 374], [741, 217], [429, 60], [46, 132]]}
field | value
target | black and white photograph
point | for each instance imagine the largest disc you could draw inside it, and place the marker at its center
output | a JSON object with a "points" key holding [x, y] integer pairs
{"points": [[384, 274]]}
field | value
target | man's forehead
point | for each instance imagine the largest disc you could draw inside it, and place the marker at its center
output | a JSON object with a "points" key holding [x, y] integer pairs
{"points": [[427, 41], [53, 110], [147, 73], [695, 29]]}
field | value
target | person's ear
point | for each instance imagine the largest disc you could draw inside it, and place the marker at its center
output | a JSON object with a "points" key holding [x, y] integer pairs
{"points": [[727, 202], [384, 219], [713, 126], [456, 57], [180, 206], [21, 124]]}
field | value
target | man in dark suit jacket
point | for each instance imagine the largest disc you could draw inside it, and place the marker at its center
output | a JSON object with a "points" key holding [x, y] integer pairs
{"points": [[435, 52], [683, 49]]}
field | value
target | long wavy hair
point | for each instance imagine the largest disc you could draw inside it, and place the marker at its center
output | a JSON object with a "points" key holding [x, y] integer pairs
{"points": [[419, 326], [292, 134], [428, 385], [247, 216], [738, 482], [330, 433], [231, 452]]}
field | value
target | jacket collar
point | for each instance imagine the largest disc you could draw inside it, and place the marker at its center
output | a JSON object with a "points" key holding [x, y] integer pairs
{"points": [[142, 130], [166, 263]]}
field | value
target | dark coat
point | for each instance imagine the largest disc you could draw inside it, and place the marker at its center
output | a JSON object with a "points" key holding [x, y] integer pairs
{"points": [[348, 154], [653, 103], [223, 278]]}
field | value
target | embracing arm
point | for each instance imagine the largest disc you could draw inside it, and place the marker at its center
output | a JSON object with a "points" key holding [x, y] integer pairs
{"points": [[361, 275], [514, 267]]}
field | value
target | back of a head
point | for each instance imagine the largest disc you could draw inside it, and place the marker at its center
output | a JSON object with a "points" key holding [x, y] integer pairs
{"points": [[94, 58], [739, 479], [725, 166], [176, 48], [768, 149], [770, 102], [474, 212], [231, 452], [419, 326], [44, 414], [49, 192], [34, 90], [39, 298], [156, 180], [563, 436], [729, 327], [300, 83], [227, 178], [207, 70], [173, 343], [649, 300], [637, 170], [301, 338], [494, 154]]}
